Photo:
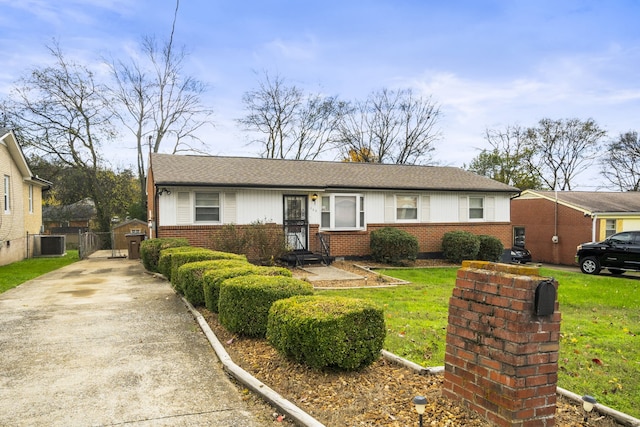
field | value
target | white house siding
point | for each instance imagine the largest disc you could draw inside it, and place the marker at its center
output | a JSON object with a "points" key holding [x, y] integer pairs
{"points": [[260, 205], [244, 206]]}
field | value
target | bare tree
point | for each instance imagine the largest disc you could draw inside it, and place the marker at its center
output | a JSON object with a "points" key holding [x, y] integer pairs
{"points": [[392, 126], [508, 158], [290, 124], [60, 112], [562, 149], [621, 162], [156, 100]]}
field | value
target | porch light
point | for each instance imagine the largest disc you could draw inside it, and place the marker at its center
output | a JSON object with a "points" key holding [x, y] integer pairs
{"points": [[314, 197]]}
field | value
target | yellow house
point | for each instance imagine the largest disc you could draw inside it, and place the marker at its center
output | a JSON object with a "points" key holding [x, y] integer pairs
{"points": [[20, 203]]}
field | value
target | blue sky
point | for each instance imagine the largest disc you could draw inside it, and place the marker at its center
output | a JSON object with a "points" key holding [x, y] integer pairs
{"points": [[488, 64]]}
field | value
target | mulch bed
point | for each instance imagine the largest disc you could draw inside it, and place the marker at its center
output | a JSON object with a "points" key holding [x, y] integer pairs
{"points": [[379, 395]]}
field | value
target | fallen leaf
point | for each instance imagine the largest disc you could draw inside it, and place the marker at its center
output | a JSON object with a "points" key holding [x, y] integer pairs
{"points": [[597, 361]]}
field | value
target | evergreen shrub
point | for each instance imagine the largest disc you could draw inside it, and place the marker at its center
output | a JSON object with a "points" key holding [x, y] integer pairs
{"points": [[244, 301], [392, 245], [180, 258], [150, 250], [322, 331], [164, 261], [212, 279], [491, 248], [189, 278], [460, 245]]}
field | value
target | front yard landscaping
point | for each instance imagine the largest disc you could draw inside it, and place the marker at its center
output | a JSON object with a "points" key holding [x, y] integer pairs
{"points": [[600, 341]]}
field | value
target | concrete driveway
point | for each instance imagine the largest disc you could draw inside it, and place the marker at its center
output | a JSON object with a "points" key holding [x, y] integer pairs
{"points": [[102, 343]]}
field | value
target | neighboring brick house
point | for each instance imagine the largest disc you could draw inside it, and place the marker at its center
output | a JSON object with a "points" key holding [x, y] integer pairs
{"points": [[194, 196], [552, 224], [21, 204]]}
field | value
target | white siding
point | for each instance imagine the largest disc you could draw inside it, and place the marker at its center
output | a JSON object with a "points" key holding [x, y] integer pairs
{"points": [[244, 206], [260, 205]]}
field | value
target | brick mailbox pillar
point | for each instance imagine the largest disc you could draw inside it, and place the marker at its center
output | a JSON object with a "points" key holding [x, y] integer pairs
{"points": [[502, 346]]}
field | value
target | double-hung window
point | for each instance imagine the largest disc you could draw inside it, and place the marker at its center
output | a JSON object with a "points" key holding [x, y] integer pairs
{"points": [[610, 227], [406, 208], [476, 208], [342, 212], [207, 207]]}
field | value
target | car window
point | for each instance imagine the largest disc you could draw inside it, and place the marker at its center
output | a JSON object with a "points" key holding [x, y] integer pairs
{"points": [[622, 238]]}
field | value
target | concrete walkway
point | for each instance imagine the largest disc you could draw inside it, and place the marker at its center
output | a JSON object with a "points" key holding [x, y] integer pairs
{"points": [[101, 343]]}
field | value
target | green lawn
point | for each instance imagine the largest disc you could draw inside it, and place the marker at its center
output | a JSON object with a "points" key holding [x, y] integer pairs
{"points": [[599, 347], [12, 275]]}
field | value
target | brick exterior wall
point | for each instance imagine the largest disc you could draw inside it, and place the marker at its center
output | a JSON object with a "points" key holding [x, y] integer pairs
{"points": [[501, 359], [538, 216], [356, 243]]}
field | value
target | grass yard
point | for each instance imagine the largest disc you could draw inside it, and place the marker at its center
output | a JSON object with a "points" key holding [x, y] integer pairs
{"points": [[600, 342], [11, 275]]}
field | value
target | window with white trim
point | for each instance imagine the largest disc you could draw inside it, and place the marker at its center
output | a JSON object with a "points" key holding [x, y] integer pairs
{"points": [[7, 194], [610, 228], [207, 207], [476, 208], [406, 208], [342, 212]]}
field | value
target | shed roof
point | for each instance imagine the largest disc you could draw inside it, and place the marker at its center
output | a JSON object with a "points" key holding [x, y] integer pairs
{"points": [[593, 201], [275, 173]]}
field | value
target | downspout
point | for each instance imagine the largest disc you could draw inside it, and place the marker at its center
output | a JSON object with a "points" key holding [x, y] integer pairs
{"points": [[594, 222]]}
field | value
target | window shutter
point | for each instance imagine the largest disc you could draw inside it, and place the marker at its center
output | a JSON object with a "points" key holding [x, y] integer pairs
{"points": [[489, 208], [425, 213], [183, 209], [463, 209], [389, 208], [230, 208]]}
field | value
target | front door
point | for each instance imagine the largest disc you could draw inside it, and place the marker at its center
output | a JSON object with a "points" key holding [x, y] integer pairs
{"points": [[296, 223]]}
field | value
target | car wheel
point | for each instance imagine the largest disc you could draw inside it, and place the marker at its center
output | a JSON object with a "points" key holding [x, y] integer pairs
{"points": [[616, 271], [590, 265]]}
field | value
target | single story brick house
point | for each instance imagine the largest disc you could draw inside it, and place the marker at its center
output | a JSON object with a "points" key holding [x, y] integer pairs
{"points": [[339, 203], [552, 224]]}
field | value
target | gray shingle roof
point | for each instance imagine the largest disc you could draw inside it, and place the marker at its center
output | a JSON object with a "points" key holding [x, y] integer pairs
{"points": [[597, 201], [274, 173]]}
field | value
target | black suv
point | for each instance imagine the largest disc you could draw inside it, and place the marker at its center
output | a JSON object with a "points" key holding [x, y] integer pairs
{"points": [[617, 253]]}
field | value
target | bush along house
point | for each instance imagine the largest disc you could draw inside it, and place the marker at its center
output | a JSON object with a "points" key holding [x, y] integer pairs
{"points": [[322, 207]]}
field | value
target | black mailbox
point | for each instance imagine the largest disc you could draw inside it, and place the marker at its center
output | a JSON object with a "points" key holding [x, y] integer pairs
{"points": [[545, 303]]}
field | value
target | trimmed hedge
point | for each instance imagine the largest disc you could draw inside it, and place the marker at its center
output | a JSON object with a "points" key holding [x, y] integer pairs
{"points": [[212, 279], [460, 245], [323, 331], [164, 262], [392, 245], [245, 301], [189, 278], [150, 250], [491, 248], [178, 259]]}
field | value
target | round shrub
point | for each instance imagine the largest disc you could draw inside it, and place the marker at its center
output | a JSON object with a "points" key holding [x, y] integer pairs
{"points": [[491, 248], [189, 281], [214, 277], [323, 331], [391, 245], [460, 245], [150, 250], [244, 301]]}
